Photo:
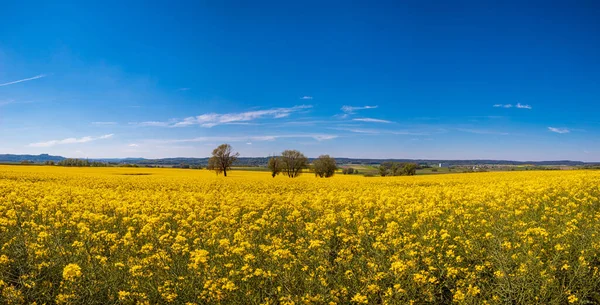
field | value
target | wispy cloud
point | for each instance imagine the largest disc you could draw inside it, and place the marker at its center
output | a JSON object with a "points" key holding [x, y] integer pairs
{"points": [[373, 131], [70, 141], [491, 117], [353, 109], [304, 123], [250, 139], [214, 119], [518, 105], [306, 97], [13, 102], [323, 137], [7, 102], [371, 120], [133, 145], [23, 80], [483, 131], [150, 124], [559, 130], [104, 123]]}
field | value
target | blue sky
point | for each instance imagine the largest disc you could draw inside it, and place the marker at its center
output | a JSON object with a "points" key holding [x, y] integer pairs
{"points": [[404, 79]]}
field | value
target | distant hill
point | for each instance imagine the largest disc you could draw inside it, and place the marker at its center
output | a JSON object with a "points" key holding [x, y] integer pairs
{"points": [[261, 161], [34, 158]]}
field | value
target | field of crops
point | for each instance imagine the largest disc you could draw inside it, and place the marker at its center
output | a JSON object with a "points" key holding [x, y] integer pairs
{"points": [[147, 236]]}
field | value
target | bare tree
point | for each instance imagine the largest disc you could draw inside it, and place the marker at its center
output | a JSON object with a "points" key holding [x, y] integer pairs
{"points": [[293, 162], [222, 159], [274, 165], [324, 166]]}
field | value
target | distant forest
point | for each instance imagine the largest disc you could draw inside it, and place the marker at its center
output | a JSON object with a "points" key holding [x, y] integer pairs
{"points": [[262, 161]]}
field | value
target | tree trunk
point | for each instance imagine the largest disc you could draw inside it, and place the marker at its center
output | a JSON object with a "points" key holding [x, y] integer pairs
{"points": [[225, 172]]}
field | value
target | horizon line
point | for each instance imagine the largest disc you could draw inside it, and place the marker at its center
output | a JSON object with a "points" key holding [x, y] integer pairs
{"points": [[354, 158]]}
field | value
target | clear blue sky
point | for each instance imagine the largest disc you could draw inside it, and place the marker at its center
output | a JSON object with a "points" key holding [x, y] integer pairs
{"points": [[407, 79]]}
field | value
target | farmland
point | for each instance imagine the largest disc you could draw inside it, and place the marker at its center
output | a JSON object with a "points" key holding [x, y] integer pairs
{"points": [[146, 236]]}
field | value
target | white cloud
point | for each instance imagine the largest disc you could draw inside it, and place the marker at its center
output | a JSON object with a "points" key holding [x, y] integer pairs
{"points": [[104, 123], [306, 97], [133, 145], [213, 119], [23, 80], [372, 131], [352, 109], [250, 139], [518, 105], [370, 120], [14, 102], [150, 124], [323, 137], [483, 131], [559, 130], [70, 141]]}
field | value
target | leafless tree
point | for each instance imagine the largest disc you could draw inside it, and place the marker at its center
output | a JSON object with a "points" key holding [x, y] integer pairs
{"points": [[222, 159]]}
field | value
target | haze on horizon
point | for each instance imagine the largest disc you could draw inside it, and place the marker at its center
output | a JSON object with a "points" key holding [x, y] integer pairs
{"points": [[415, 80]]}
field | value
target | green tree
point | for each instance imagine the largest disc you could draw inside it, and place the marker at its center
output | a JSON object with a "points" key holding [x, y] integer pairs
{"points": [[409, 169], [383, 171], [397, 169], [324, 166], [348, 171], [274, 165], [293, 162], [222, 159]]}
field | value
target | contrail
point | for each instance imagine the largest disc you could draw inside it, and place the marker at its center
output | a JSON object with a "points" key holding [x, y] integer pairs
{"points": [[23, 80]]}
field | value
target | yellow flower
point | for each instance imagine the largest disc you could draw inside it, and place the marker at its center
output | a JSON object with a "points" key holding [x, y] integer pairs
{"points": [[198, 257], [71, 272], [360, 299], [124, 295], [458, 296], [573, 298]]}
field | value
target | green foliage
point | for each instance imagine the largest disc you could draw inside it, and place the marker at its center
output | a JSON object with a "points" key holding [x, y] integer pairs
{"points": [[324, 166], [80, 163], [275, 165], [222, 159], [397, 169], [349, 171]]}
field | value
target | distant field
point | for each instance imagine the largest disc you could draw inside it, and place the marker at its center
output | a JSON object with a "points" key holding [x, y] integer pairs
{"points": [[158, 236]]}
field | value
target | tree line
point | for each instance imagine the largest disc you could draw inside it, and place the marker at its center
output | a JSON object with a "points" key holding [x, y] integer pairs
{"points": [[79, 163], [397, 169], [73, 162], [293, 163]]}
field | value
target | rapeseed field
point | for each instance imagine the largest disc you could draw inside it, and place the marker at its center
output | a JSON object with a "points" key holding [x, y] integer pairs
{"points": [[169, 236]]}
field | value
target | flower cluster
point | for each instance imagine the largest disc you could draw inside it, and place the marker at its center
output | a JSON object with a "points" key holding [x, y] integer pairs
{"points": [[148, 236]]}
